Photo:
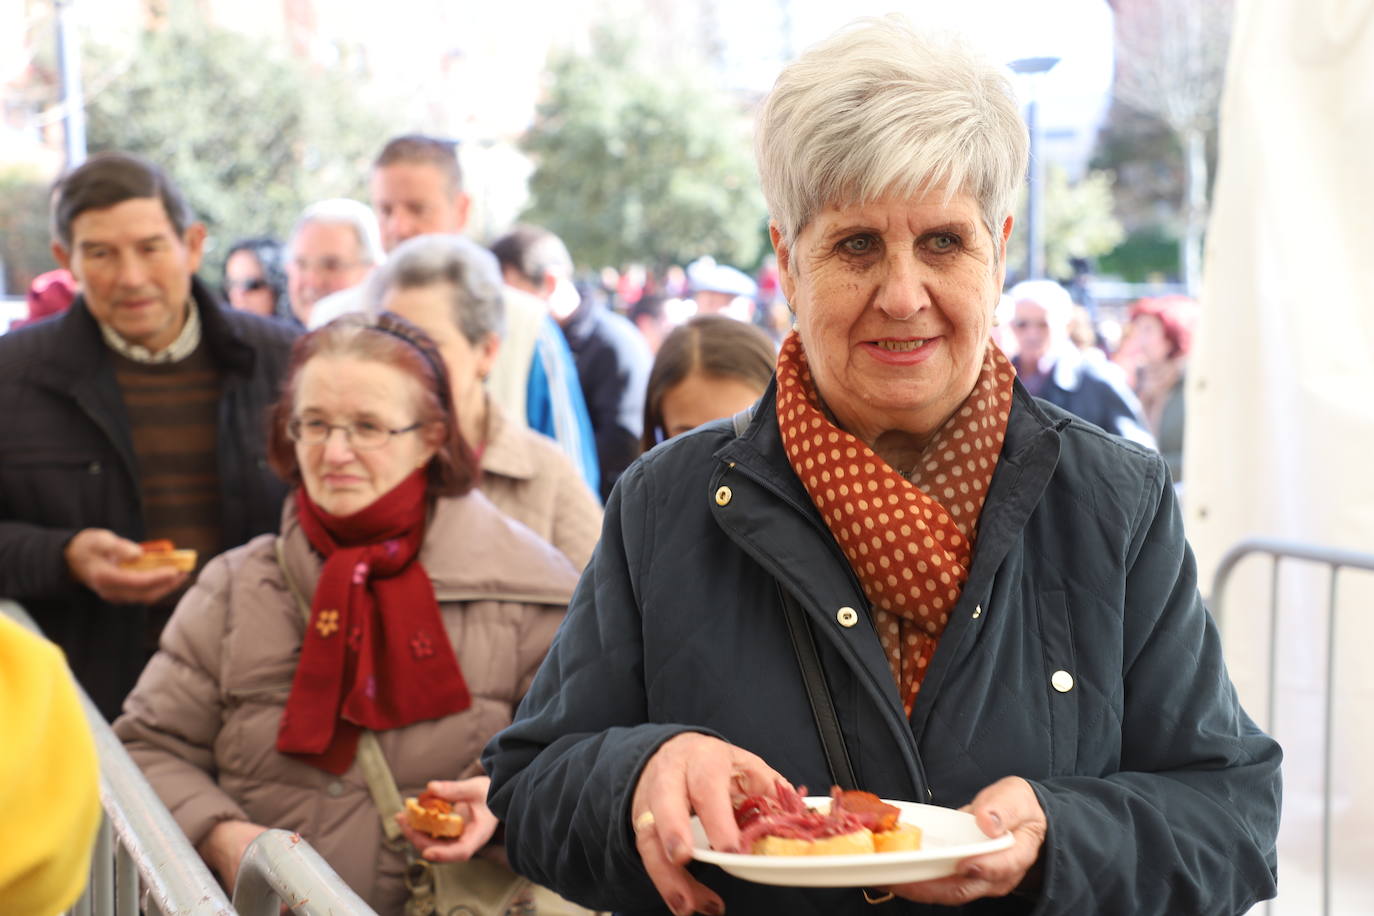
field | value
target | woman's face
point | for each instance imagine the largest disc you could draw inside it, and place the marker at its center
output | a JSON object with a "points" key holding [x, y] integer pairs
{"points": [[346, 390], [700, 398], [1149, 340], [430, 308], [894, 303], [246, 284]]}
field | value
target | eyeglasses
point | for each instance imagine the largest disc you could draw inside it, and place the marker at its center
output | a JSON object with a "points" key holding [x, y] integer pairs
{"points": [[361, 434], [246, 286], [325, 265]]}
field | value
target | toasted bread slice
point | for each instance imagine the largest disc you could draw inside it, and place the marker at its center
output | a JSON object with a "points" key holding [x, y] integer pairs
{"points": [[433, 819], [902, 838], [184, 560], [847, 844]]}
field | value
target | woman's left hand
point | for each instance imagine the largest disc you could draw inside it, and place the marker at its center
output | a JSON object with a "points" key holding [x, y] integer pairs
{"points": [[1007, 805], [469, 798]]}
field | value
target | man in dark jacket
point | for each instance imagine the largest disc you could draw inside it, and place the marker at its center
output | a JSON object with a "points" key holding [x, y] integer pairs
{"points": [[613, 359], [1078, 656], [138, 414], [1051, 367]]}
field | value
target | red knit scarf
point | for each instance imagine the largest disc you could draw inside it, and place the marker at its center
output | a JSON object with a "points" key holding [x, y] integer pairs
{"points": [[909, 542], [376, 654]]}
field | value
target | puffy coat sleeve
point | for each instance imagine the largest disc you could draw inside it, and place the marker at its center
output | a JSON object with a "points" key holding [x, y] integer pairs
{"points": [[563, 775], [173, 716], [1189, 823]]}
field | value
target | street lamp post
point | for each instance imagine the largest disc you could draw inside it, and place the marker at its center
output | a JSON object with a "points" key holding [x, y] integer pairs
{"points": [[1035, 188], [73, 99]]}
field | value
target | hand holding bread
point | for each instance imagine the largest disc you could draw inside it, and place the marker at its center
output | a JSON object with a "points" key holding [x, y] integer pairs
{"points": [[161, 554], [97, 558], [455, 834]]}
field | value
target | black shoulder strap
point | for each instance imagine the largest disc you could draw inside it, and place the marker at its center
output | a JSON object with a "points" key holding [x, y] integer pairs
{"points": [[822, 706]]}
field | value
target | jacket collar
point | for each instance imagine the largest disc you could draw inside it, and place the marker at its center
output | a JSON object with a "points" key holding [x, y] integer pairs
{"points": [[83, 353], [471, 552], [503, 455], [1030, 453]]}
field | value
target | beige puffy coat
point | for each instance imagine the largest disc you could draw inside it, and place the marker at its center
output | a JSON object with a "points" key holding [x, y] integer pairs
{"points": [[527, 476], [202, 722]]}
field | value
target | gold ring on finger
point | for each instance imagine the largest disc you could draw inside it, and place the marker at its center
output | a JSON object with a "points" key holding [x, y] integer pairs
{"points": [[644, 821]]}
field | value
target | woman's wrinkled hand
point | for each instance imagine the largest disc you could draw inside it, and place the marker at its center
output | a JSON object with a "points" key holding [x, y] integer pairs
{"points": [[469, 799], [692, 774], [223, 848], [1008, 805]]}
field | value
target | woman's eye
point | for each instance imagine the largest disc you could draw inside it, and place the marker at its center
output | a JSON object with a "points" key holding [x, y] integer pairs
{"points": [[315, 426], [859, 244], [368, 428], [944, 241]]}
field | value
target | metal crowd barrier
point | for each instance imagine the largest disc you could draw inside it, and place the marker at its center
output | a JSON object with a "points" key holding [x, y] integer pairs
{"points": [[1335, 560], [142, 859]]}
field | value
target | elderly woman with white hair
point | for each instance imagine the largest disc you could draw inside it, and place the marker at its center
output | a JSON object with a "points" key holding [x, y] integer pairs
{"points": [[1050, 365], [994, 605], [450, 288]]}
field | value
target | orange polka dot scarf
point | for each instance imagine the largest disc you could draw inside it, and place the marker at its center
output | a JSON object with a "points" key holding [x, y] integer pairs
{"points": [[909, 542]]}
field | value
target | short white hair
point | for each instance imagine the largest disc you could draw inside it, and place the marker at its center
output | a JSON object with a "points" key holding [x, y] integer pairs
{"points": [[341, 211], [1049, 295], [471, 273], [881, 108]]}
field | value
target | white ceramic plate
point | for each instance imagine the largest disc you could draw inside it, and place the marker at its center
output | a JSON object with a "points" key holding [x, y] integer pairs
{"points": [[947, 837]]}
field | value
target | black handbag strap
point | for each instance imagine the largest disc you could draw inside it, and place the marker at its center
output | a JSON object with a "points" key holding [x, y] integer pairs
{"points": [[822, 706]]}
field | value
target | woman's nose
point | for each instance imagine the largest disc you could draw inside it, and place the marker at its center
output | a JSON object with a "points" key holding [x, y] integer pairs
{"points": [[902, 290], [338, 448]]}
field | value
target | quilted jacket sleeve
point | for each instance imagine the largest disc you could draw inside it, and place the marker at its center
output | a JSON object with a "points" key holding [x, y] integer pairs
{"points": [[172, 718], [1189, 823], [563, 775]]}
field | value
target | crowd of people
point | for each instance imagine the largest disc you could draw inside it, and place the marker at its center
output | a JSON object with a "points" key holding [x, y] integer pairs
{"points": [[390, 447]]}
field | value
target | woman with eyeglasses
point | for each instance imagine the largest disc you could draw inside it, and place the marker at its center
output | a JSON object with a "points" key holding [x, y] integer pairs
{"points": [[255, 278], [396, 600]]}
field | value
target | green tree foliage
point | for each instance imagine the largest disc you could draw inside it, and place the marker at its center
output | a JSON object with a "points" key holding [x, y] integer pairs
{"points": [[1078, 223], [638, 165], [24, 250], [249, 135]]}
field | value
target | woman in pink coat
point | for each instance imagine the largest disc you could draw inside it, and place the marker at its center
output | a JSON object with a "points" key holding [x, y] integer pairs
{"points": [[422, 615]]}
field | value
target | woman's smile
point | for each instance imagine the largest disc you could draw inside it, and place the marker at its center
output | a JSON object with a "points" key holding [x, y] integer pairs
{"points": [[901, 351]]}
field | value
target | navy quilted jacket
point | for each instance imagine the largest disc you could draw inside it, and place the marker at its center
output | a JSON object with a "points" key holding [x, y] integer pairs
{"points": [[1161, 795]]}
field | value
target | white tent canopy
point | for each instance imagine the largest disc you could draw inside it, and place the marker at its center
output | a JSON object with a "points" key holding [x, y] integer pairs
{"points": [[1281, 406]]}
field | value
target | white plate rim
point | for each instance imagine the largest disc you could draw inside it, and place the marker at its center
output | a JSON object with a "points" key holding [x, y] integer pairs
{"points": [[835, 867]]}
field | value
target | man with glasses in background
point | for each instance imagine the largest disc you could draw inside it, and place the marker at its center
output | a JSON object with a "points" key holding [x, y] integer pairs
{"points": [[137, 415], [416, 187], [334, 246]]}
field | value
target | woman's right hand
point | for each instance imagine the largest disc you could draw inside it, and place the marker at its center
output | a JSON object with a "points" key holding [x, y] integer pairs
{"points": [[224, 846], [469, 798], [692, 774]]}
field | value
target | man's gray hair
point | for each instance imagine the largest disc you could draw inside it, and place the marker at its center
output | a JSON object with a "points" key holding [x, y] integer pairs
{"points": [[341, 211], [468, 269], [884, 109]]}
